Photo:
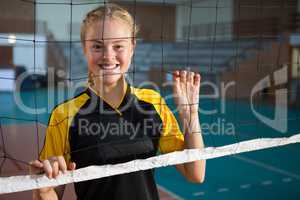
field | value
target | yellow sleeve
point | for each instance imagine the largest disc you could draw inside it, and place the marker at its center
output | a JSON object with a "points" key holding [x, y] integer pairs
{"points": [[57, 134], [171, 138], [56, 142]]}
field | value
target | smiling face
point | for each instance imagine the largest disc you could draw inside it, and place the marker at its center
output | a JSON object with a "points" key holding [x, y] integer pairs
{"points": [[108, 49]]}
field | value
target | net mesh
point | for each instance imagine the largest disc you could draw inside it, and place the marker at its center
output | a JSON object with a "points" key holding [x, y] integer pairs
{"points": [[233, 44]]}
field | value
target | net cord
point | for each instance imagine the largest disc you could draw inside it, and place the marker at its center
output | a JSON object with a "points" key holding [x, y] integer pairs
{"points": [[31, 182]]}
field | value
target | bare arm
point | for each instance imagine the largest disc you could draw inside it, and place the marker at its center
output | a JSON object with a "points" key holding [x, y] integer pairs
{"points": [[194, 171], [186, 94], [49, 193]]}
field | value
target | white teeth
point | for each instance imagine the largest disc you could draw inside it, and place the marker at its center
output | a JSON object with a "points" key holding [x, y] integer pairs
{"points": [[108, 66]]}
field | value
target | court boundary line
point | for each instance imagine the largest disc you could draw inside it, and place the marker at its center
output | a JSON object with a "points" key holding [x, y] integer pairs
{"points": [[267, 166]]}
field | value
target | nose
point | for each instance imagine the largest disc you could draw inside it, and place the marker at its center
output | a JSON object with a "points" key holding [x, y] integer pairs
{"points": [[108, 53]]}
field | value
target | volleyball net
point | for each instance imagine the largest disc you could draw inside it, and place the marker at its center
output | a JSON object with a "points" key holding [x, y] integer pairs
{"points": [[246, 53]]}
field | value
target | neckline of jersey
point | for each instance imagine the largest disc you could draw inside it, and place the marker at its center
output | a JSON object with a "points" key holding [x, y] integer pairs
{"points": [[117, 108]]}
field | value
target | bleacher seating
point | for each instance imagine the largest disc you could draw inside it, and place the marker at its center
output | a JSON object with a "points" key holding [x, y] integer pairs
{"points": [[204, 56]]}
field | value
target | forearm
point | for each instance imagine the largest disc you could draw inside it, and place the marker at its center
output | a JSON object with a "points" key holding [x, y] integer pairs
{"points": [[192, 132], [194, 171], [49, 195]]}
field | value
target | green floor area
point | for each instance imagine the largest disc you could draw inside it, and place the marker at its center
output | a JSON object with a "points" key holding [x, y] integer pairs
{"points": [[267, 174], [270, 174]]}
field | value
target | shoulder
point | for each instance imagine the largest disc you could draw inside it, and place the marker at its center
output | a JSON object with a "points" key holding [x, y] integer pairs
{"points": [[147, 95], [69, 107]]}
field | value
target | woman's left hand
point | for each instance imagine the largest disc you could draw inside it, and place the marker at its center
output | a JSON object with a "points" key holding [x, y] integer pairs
{"points": [[186, 89]]}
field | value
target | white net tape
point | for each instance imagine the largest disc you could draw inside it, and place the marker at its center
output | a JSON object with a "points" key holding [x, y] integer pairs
{"points": [[30, 182]]}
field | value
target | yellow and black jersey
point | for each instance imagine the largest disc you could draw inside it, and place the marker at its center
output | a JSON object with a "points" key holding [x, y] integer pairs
{"points": [[89, 131]]}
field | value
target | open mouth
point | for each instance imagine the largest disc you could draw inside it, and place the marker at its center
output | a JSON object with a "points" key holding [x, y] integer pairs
{"points": [[109, 66]]}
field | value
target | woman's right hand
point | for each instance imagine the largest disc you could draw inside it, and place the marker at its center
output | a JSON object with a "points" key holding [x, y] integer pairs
{"points": [[51, 167]]}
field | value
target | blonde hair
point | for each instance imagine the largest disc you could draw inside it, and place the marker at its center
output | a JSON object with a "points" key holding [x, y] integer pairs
{"points": [[108, 11]]}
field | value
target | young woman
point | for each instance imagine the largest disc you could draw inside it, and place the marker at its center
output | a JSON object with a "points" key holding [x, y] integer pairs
{"points": [[89, 128]]}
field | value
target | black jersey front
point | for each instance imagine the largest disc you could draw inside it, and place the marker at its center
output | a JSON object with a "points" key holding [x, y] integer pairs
{"points": [[88, 131]]}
